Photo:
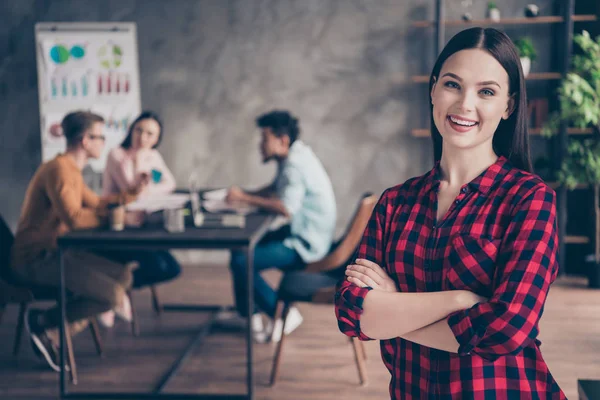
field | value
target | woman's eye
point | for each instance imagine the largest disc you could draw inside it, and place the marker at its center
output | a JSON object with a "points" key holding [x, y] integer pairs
{"points": [[451, 84], [487, 92]]}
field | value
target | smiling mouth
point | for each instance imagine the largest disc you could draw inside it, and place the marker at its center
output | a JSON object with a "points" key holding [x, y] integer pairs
{"points": [[462, 122]]}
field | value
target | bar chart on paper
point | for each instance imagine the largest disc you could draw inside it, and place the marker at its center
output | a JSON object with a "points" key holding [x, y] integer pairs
{"points": [[87, 66]]}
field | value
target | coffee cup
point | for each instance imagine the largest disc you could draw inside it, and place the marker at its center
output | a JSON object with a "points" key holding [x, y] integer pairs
{"points": [[117, 218]]}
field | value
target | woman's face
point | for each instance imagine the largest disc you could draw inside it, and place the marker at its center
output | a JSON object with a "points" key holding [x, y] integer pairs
{"points": [[146, 133], [470, 97]]}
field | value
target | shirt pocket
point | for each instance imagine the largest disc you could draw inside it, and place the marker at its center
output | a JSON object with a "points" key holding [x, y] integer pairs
{"points": [[471, 264]]}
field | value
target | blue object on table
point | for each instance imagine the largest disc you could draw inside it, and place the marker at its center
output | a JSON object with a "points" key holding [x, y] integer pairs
{"points": [[156, 175]]}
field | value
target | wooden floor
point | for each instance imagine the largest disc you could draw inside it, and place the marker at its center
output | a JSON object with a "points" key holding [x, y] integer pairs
{"points": [[317, 362]]}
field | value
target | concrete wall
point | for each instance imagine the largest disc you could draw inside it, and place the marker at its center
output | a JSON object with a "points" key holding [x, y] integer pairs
{"points": [[209, 67]]}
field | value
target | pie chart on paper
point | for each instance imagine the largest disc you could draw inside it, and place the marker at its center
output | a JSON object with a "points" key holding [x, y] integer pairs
{"points": [[110, 56], [59, 54], [77, 51]]}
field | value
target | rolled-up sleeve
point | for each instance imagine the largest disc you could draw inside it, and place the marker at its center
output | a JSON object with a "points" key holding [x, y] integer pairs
{"points": [[526, 266], [291, 189], [349, 298]]}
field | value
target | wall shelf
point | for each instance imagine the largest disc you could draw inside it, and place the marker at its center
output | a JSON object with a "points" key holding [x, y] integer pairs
{"points": [[562, 27], [532, 131], [508, 21], [570, 131], [556, 185], [534, 76], [571, 239]]}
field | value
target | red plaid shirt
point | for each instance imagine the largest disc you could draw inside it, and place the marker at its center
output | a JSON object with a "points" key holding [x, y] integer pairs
{"points": [[498, 239]]}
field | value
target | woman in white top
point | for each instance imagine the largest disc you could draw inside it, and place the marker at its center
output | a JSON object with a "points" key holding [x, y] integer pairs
{"points": [[137, 159], [137, 163]]}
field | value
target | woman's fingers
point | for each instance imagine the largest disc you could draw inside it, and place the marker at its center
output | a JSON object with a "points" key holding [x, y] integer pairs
{"points": [[373, 266], [367, 271], [364, 278], [356, 282]]}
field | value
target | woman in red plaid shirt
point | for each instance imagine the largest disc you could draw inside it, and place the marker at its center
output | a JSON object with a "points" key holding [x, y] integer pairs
{"points": [[454, 266]]}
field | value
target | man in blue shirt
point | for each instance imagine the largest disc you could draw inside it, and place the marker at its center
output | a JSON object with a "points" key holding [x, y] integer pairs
{"points": [[302, 193]]}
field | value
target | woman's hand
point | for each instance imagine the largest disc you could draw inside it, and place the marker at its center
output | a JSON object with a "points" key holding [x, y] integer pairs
{"points": [[142, 181], [366, 273]]}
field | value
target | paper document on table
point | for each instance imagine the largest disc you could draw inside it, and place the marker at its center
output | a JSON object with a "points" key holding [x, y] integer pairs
{"points": [[218, 206], [159, 202], [218, 194]]}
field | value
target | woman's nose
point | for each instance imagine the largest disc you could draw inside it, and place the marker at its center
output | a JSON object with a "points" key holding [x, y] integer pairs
{"points": [[468, 101]]}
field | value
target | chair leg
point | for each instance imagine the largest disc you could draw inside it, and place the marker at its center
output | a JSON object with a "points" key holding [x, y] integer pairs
{"points": [[70, 354], [135, 328], [363, 350], [278, 313], [96, 335], [19, 331], [277, 357], [155, 302], [360, 362]]}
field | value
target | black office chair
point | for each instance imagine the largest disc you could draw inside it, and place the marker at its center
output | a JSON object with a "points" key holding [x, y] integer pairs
{"points": [[12, 291]]}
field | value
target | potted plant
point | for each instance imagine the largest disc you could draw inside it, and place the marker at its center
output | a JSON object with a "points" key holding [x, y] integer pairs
{"points": [[493, 11], [579, 97], [527, 53]]}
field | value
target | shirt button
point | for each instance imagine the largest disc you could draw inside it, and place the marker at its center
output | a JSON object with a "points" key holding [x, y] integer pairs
{"points": [[457, 201], [464, 190]]}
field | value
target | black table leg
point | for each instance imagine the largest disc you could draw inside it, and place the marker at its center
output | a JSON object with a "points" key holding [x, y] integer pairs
{"points": [[61, 329], [202, 333], [250, 376]]}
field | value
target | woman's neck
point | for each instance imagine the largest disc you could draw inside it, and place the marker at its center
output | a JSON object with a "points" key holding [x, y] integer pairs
{"points": [[461, 167]]}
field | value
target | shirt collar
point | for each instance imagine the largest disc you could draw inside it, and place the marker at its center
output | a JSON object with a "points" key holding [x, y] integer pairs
{"points": [[482, 183]]}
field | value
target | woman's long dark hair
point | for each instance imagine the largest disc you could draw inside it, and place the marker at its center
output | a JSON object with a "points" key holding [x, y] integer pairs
{"points": [[511, 138], [144, 115]]}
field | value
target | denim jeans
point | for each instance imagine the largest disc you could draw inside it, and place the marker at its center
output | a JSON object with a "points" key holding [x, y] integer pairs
{"points": [[268, 253], [155, 266]]}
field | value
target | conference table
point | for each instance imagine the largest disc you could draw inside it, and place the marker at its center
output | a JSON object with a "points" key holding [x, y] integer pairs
{"points": [[211, 235]]}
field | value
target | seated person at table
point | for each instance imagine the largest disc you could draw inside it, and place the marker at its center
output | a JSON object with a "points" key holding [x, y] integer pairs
{"points": [[57, 201], [127, 167], [301, 192]]}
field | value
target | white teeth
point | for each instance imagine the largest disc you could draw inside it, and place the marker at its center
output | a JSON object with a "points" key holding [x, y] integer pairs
{"points": [[461, 122]]}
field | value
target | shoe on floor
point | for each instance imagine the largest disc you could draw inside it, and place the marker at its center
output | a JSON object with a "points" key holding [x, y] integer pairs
{"points": [[107, 319], [259, 330], [232, 320], [294, 320], [41, 343], [123, 310]]}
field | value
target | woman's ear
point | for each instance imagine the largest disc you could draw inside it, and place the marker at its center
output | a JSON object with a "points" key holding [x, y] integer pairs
{"points": [[510, 107]]}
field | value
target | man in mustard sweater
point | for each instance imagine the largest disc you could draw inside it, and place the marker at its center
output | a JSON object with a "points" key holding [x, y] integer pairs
{"points": [[57, 201]]}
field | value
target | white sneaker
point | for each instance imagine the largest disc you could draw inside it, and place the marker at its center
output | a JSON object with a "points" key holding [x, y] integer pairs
{"points": [[123, 310], [259, 333], [294, 320], [107, 319]]}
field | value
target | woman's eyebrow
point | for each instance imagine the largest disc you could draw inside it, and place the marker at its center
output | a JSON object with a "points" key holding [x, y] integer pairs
{"points": [[458, 78]]}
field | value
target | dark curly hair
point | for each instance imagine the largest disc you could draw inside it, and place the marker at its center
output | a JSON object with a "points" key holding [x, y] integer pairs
{"points": [[281, 123]]}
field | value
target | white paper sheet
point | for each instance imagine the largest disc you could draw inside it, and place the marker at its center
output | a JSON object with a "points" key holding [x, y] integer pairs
{"points": [[215, 206], [159, 202], [218, 194]]}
